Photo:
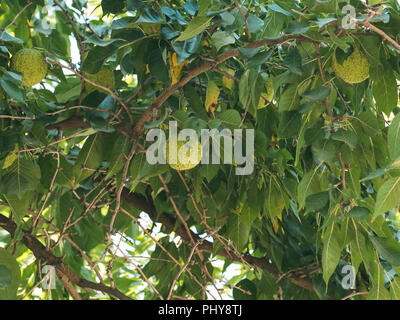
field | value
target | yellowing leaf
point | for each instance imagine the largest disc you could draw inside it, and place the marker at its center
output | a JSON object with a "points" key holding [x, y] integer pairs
{"points": [[228, 82], [276, 225], [11, 158], [212, 95], [175, 68], [263, 101]]}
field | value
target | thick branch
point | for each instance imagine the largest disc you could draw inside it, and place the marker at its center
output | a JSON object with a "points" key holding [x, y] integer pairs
{"points": [[143, 204], [64, 272]]}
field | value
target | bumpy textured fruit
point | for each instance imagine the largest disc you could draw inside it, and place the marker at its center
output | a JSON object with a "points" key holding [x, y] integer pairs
{"points": [[31, 64], [192, 152], [355, 68], [268, 95], [105, 78]]}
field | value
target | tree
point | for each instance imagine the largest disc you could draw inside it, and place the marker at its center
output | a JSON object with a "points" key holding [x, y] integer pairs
{"points": [[316, 81]]}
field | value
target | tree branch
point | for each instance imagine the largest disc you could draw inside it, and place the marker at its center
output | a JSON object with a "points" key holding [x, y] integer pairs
{"points": [[143, 204], [64, 272]]}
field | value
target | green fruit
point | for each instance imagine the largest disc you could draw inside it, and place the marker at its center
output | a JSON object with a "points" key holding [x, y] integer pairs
{"points": [[31, 64], [354, 69], [192, 152], [105, 78]]}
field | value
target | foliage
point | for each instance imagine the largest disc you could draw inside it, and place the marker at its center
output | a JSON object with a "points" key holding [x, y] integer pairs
{"points": [[77, 193]]}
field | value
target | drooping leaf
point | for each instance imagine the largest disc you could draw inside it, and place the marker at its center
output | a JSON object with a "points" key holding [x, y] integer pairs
{"points": [[195, 27], [388, 196]]}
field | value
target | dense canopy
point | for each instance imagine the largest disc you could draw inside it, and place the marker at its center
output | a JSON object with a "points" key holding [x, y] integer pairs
{"points": [[84, 215]]}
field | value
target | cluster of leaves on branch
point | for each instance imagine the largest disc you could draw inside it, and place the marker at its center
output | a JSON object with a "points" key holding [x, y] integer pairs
{"points": [[73, 173]]}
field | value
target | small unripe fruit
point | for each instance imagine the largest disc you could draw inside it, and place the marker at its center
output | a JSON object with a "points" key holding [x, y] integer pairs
{"points": [[31, 64], [192, 152], [105, 78], [354, 69]]}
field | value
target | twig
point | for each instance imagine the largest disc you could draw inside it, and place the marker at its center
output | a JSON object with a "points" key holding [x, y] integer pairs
{"points": [[354, 294], [367, 24], [121, 187], [226, 74], [64, 272], [171, 287], [169, 222], [324, 82], [82, 107], [245, 112], [245, 20], [343, 170], [109, 91], [15, 19]]}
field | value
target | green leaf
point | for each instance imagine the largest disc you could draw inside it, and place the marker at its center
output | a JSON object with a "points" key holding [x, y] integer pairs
{"points": [[289, 124], [395, 288], [274, 201], [244, 290], [259, 58], [388, 196], [375, 174], [69, 90], [8, 38], [96, 58], [384, 88], [330, 253], [296, 27], [5, 276], [388, 248], [112, 6], [255, 23], [321, 22], [289, 98], [293, 61], [221, 39], [149, 15], [135, 4], [119, 154], [317, 94], [12, 88], [244, 91], [348, 137], [195, 102], [19, 207], [378, 293], [358, 213], [394, 137], [275, 7], [195, 27], [237, 231], [8, 264], [209, 171], [324, 150], [308, 185], [23, 175], [230, 119], [90, 157], [317, 201]]}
